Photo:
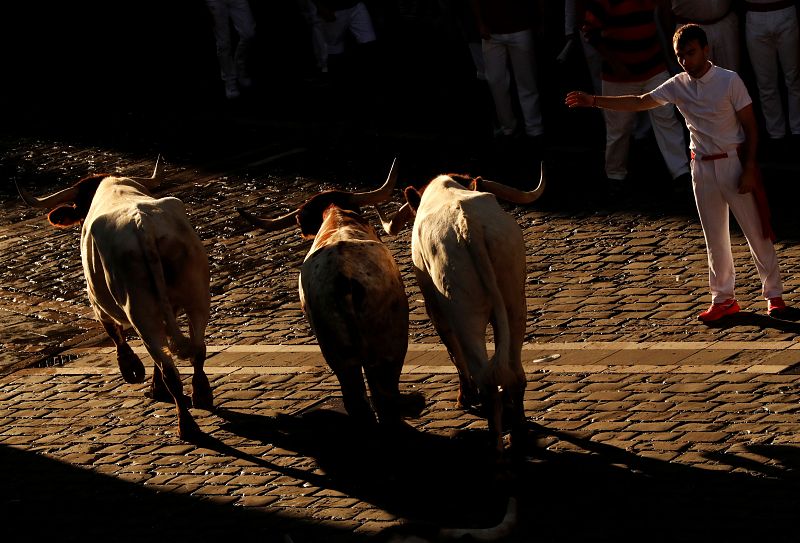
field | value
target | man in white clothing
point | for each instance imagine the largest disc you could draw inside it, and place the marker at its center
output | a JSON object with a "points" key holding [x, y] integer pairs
{"points": [[724, 136]]}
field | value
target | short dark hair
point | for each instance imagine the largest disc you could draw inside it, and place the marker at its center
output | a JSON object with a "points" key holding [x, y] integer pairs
{"points": [[689, 32]]}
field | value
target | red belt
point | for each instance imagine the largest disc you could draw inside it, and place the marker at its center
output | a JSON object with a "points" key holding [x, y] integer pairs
{"points": [[770, 6], [710, 157]]}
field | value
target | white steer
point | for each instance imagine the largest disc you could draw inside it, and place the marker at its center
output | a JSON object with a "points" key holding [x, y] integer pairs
{"points": [[469, 260], [143, 264]]}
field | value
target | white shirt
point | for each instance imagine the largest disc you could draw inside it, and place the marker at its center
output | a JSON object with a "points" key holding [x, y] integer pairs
{"points": [[709, 105]]}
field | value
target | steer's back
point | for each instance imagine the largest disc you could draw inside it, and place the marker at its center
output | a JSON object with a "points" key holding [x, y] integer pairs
{"points": [[352, 293], [125, 233]]}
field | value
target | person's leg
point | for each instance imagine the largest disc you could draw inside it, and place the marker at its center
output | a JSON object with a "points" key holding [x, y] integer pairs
{"points": [[222, 36], [521, 54], [745, 211], [619, 125], [723, 39], [761, 48], [245, 25], [668, 131], [495, 57], [789, 55], [713, 211]]}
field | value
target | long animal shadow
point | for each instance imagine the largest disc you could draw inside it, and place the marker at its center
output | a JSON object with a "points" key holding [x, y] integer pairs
{"points": [[415, 475], [586, 491]]}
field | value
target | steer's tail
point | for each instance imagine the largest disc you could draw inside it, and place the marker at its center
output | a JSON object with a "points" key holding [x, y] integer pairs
{"points": [[178, 343], [499, 372]]}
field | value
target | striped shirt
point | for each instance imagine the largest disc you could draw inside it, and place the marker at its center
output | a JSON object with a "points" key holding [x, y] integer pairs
{"points": [[626, 31]]}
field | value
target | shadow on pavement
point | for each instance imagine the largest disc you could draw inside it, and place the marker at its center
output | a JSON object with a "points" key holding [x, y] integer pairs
{"points": [[47, 500], [589, 492]]}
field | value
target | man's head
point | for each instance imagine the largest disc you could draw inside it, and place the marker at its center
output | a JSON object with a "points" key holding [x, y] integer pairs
{"points": [[691, 47]]}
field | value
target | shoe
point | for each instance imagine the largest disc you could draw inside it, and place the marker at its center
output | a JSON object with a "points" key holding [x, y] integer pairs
{"points": [[775, 306], [717, 311], [231, 90]]}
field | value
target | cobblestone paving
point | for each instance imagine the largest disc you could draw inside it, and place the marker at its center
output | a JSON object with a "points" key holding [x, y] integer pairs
{"points": [[647, 426], [700, 439], [643, 279]]}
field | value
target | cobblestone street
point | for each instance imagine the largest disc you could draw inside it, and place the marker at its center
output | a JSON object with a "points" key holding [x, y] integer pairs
{"points": [[645, 425]]}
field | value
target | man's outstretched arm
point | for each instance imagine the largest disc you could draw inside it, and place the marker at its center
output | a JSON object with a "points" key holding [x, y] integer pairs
{"points": [[617, 103]]}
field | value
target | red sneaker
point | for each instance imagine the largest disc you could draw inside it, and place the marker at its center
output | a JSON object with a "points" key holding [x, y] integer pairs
{"points": [[717, 311], [775, 306]]}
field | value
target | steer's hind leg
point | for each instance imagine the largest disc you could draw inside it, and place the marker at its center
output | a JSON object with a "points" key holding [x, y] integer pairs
{"points": [[354, 394], [158, 388], [202, 397], [383, 378], [130, 366]]}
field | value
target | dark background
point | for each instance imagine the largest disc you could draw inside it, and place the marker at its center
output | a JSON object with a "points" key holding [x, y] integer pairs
{"points": [[143, 76]]}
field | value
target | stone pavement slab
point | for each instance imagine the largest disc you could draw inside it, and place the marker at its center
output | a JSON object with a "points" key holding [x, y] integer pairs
{"points": [[710, 452]]}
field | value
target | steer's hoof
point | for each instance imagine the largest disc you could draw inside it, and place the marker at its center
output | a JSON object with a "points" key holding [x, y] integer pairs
{"points": [[411, 405], [188, 430], [203, 400], [130, 366]]}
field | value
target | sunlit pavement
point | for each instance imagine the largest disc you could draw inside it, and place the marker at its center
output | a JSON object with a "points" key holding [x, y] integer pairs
{"points": [[645, 424]]}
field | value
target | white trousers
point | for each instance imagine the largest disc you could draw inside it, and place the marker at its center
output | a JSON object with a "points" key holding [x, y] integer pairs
{"points": [[356, 20], [517, 48], [716, 190], [232, 63], [620, 125], [773, 36]]}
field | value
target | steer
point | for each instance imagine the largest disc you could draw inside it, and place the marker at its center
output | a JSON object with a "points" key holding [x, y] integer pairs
{"points": [[143, 264], [352, 293], [469, 260]]}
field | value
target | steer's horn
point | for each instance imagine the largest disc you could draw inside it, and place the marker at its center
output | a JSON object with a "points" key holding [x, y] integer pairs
{"points": [[379, 195], [515, 196], [270, 225], [60, 197], [158, 175], [400, 219]]}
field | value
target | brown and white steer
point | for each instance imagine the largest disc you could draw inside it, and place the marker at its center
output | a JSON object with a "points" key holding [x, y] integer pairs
{"points": [[143, 264], [353, 295], [469, 260]]}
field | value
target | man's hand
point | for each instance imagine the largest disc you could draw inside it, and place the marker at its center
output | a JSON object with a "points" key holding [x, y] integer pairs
{"points": [[579, 99], [748, 180]]}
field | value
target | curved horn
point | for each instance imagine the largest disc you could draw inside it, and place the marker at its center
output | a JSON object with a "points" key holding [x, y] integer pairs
{"points": [[55, 199], [155, 179], [379, 195], [270, 225], [396, 223], [515, 196]]}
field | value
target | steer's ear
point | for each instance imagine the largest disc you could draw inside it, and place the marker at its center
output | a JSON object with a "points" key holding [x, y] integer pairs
{"points": [[413, 198], [475, 184], [64, 216]]}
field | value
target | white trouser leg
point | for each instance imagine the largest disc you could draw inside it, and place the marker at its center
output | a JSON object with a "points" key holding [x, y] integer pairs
{"points": [[222, 36], [668, 130], [789, 55], [713, 211], [245, 26], [498, 77], [761, 42], [520, 52], [619, 125]]}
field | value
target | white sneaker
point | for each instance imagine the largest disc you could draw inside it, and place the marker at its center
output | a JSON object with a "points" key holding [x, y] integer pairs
{"points": [[231, 90]]}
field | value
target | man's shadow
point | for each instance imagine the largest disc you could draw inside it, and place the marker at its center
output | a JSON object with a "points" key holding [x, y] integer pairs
{"points": [[787, 321]]}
